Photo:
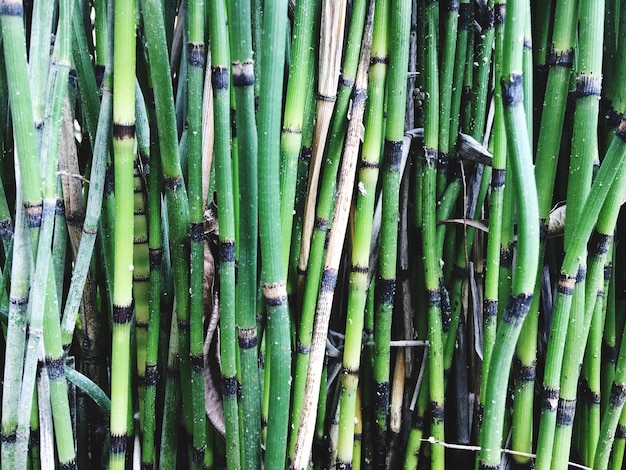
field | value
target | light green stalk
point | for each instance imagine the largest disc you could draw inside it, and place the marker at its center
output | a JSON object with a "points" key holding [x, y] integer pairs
{"points": [[124, 156]]}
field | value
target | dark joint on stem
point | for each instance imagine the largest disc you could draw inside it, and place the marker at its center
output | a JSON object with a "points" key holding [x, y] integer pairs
{"points": [[561, 58], [306, 153], [392, 156], [195, 54], [506, 256], [550, 399], [499, 12], [446, 308], [526, 373], [465, 15], [227, 251], [303, 349], [229, 386], [140, 240], [517, 308], [329, 280], [346, 81], [453, 5], [418, 423], [434, 297], [197, 455], [591, 397], [512, 89], [275, 294], [621, 130], [588, 85], [459, 272], [183, 326], [491, 309], [612, 116], [566, 284], [527, 43], [355, 268], [10, 438], [247, 337], [385, 290], [155, 256], [565, 412], [497, 178], [292, 130], [197, 363], [358, 437], [123, 131], [442, 161], [6, 229], [19, 302], [609, 353], [243, 73], [358, 97], [437, 412], [378, 60], [431, 156], [351, 372], [581, 274], [151, 376], [220, 77], [608, 271], [382, 395], [71, 465], [617, 397], [90, 231], [55, 367], [33, 214], [122, 314], [343, 465], [484, 466], [599, 243], [11, 9], [321, 224], [174, 183], [196, 231], [620, 432], [326, 98], [364, 164], [118, 443], [72, 219]]}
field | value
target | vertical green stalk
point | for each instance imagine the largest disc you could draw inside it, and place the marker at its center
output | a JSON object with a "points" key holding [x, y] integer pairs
{"points": [[528, 238], [195, 84], [175, 191], [273, 273], [242, 69], [481, 75], [220, 78], [432, 268], [364, 212], [124, 156], [386, 284]]}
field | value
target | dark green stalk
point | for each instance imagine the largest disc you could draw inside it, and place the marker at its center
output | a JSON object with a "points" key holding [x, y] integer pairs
{"points": [[273, 269], [528, 238], [386, 283], [172, 402], [124, 156], [195, 83], [306, 425], [498, 175], [313, 266], [291, 137], [361, 239], [446, 90], [464, 23], [481, 75], [152, 170], [432, 268], [220, 78], [247, 166], [175, 191]]}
